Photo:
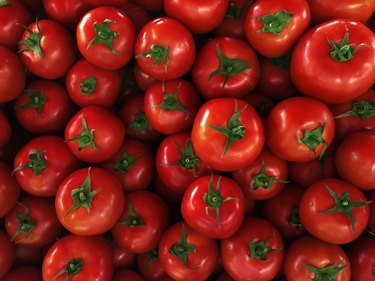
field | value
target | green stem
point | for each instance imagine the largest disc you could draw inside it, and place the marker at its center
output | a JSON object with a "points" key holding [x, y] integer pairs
{"points": [[274, 23]]}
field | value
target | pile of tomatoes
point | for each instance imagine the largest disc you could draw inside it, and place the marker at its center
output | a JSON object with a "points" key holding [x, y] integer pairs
{"points": [[187, 140]]}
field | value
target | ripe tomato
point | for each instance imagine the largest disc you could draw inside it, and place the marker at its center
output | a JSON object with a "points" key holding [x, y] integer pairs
{"points": [[5, 129], [227, 134], [122, 258], [9, 189], [233, 22], [89, 201], [361, 253], [7, 254], [149, 266], [24, 273], [139, 15]]}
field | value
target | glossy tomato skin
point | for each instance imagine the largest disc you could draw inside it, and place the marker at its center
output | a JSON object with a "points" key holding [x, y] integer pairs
{"points": [[316, 73], [275, 43], [103, 206], [309, 250], [238, 259], [199, 16], [9, 189], [5, 128], [354, 159], [210, 144], [177, 44], [333, 226], [24, 273], [117, 26], [361, 253], [213, 80], [200, 263], [93, 251], [301, 116], [7, 254]]}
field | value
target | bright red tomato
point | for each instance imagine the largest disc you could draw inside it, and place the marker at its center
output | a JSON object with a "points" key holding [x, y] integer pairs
{"points": [[5, 129], [7, 254], [9, 189], [361, 253]]}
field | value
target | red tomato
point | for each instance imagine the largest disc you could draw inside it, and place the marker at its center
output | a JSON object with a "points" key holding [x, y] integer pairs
{"points": [[9, 190], [89, 201], [233, 22], [165, 49], [26, 256], [227, 134], [105, 37], [127, 275], [254, 252], [139, 15], [7, 254], [5, 129], [152, 6], [299, 129], [361, 253], [80, 258], [122, 258], [187, 255], [335, 61], [97, 3], [334, 211], [143, 80], [149, 266], [309, 258], [273, 27], [26, 273]]}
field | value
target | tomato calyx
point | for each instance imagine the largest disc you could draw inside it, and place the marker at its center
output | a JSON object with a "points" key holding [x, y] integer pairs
{"points": [[282, 62], [313, 138], [234, 130], [104, 35], [4, 3], [36, 162], [158, 53], [85, 138], [36, 99], [275, 22], [133, 219], [363, 109], [344, 205], [25, 224], [32, 42], [88, 86], [214, 199], [228, 67], [259, 249], [83, 196], [152, 255], [294, 218], [72, 268], [262, 180], [170, 101], [140, 124], [328, 273], [188, 160], [126, 162]]}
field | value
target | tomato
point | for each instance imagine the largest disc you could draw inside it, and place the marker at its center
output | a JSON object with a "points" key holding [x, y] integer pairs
{"points": [[187, 255], [33, 222], [43, 107], [142, 223], [122, 258], [171, 106], [143, 80], [273, 27], [13, 77], [199, 16], [334, 61], [79, 258], [361, 253], [89, 201], [164, 49], [334, 211], [5, 129], [42, 163], [254, 252], [299, 129], [47, 49], [152, 6], [7, 254], [149, 266], [139, 15], [105, 37], [26, 256], [25, 273], [225, 67], [89, 136], [261, 103], [9, 189], [97, 3], [227, 134], [309, 258], [127, 275]]}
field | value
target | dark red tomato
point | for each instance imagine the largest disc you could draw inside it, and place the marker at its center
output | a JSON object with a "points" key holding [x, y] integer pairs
{"points": [[371, 223], [139, 15], [282, 211], [105, 37], [42, 163], [33, 222], [9, 190], [187, 255], [165, 49], [335, 61], [213, 206], [133, 164], [88, 84], [143, 80], [13, 14], [254, 252], [227, 134], [325, 10], [5, 129], [334, 211], [225, 67], [97, 3], [26, 273], [361, 253], [273, 27], [152, 6], [127, 275], [78, 258], [47, 49], [199, 16], [13, 76], [94, 134], [264, 178], [261, 103], [177, 163], [143, 221], [43, 107], [299, 129], [172, 196], [26, 256], [309, 258], [171, 106], [89, 201], [7, 254], [133, 115], [34, 6], [122, 258], [149, 266], [223, 276], [354, 115]]}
